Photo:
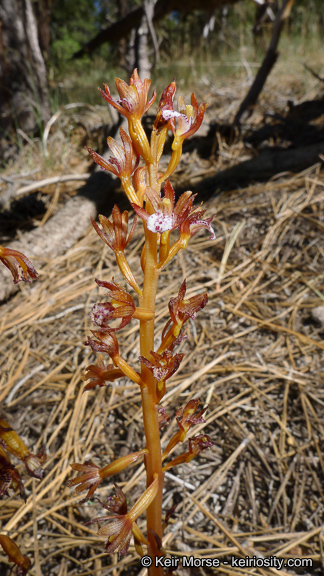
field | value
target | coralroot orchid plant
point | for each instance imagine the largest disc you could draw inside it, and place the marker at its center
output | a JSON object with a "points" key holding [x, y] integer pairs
{"points": [[10, 479], [10, 442], [136, 163]]}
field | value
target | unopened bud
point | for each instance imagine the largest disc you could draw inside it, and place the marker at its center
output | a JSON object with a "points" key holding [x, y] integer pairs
{"points": [[33, 467]]}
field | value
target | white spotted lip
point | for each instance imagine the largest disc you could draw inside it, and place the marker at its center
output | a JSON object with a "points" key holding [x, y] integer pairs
{"points": [[159, 222]]}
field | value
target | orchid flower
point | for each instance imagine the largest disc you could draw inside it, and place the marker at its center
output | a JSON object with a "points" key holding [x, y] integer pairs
{"points": [[18, 264]]}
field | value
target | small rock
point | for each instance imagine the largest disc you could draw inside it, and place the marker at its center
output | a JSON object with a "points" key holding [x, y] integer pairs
{"points": [[318, 314]]}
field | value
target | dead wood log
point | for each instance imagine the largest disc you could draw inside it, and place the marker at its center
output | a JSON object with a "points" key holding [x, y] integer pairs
{"points": [[63, 230], [58, 235], [267, 64]]}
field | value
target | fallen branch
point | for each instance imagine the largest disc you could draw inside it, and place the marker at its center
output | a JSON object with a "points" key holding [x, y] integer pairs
{"points": [[317, 76], [267, 64], [53, 180]]}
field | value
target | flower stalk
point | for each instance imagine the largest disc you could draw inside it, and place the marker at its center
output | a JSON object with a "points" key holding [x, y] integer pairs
{"points": [[136, 163]]}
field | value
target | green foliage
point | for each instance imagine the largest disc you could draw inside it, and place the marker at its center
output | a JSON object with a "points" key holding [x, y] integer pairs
{"points": [[72, 24], [64, 47]]}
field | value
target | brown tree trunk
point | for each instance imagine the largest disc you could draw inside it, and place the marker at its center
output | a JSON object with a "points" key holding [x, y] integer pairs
{"points": [[24, 99], [138, 49], [43, 17]]}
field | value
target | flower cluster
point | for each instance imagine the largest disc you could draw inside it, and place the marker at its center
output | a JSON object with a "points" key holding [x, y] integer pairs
{"points": [[167, 225]]}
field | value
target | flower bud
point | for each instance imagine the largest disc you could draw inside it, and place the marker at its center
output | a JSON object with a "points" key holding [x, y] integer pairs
{"points": [[33, 467]]}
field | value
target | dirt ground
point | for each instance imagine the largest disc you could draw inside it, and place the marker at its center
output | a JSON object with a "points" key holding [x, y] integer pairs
{"points": [[254, 355]]}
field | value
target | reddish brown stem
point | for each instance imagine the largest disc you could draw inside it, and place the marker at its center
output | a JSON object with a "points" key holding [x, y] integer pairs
{"points": [[153, 459]]}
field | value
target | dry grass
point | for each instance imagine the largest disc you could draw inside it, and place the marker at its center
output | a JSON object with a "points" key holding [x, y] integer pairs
{"points": [[254, 355]]}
